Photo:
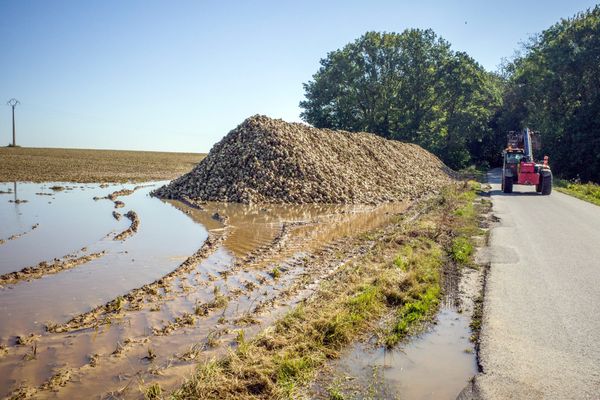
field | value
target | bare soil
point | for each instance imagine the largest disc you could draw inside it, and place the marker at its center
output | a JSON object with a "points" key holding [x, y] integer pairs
{"points": [[81, 165]]}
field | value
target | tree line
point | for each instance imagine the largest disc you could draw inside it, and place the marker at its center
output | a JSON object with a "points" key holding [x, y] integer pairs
{"points": [[412, 86]]}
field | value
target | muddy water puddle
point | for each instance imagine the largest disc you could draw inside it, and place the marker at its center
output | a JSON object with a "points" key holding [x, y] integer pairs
{"points": [[437, 364], [161, 289], [72, 222]]}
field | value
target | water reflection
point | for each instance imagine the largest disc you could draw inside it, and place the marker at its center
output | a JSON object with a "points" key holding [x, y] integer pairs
{"points": [[73, 223]]}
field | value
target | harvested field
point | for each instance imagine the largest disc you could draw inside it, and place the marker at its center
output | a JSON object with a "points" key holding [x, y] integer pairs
{"points": [[78, 165], [265, 160]]}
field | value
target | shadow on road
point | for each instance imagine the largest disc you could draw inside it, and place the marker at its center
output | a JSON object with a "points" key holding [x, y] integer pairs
{"points": [[498, 192], [495, 177]]}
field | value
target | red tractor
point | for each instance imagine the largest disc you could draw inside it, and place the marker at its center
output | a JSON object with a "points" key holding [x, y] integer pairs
{"points": [[519, 168]]}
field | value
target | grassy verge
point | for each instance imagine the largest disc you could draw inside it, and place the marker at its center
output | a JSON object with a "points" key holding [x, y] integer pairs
{"points": [[584, 191], [79, 165], [400, 275], [473, 172]]}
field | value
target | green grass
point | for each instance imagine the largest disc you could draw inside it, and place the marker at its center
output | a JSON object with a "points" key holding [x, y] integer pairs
{"points": [[461, 250], [422, 260], [585, 191], [474, 172]]}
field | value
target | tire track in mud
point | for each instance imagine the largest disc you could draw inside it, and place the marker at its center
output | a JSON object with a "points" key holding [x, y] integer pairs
{"points": [[306, 271], [121, 192], [44, 268], [147, 294], [132, 215], [315, 267], [101, 315], [137, 297], [135, 300], [221, 300], [133, 227], [298, 272], [18, 235]]}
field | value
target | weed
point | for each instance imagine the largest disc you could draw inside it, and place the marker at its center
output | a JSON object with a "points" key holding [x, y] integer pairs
{"points": [[187, 319], [200, 309], [150, 356], [219, 299], [585, 191], [461, 250], [192, 353], [33, 354], [275, 273], [212, 340], [116, 306], [413, 312], [240, 337], [335, 393], [153, 392]]}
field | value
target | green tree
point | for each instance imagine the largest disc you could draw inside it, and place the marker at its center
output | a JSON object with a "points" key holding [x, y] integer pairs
{"points": [[409, 86], [555, 88]]}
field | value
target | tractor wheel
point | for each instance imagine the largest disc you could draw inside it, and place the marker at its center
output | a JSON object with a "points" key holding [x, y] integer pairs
{"points": [[547, 183], [507, 186]]}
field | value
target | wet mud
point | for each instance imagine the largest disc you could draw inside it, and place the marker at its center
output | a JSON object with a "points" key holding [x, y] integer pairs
{"points": [[251, 265], [45, 268], [133, 228], [18, 235]]}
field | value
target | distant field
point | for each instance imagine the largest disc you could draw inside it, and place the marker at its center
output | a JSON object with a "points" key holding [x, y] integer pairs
{"points": [[78, 165]]}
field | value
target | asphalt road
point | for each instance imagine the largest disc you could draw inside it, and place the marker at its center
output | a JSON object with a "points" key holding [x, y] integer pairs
{"points": [[541, 330]]}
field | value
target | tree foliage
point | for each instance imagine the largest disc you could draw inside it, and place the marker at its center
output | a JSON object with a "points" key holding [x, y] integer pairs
{"points": [[410, 86], [554, 88]]}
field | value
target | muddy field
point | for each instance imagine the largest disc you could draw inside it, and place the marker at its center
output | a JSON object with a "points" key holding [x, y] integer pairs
{"points": [[94, 305], [78, 165]]}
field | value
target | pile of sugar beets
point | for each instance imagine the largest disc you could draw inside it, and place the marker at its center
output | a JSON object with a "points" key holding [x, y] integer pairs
{"points": [[267, 160]]}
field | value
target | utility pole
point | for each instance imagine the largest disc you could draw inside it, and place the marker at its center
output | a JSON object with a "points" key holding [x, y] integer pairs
{"points": [[13, 103]]}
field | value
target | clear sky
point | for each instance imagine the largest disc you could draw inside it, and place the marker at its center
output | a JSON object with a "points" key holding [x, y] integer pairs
{"points": [[178, 75]]}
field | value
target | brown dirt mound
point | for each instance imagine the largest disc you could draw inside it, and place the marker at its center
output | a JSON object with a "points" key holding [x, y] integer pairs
{"points": [[266, 160]]}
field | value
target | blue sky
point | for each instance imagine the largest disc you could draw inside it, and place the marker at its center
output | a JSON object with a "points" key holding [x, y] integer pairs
{"points": [[178, 75]]}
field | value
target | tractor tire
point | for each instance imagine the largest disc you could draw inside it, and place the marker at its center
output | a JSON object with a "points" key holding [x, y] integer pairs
{"points": [[507, 186], [546, 183], [538, 187]]}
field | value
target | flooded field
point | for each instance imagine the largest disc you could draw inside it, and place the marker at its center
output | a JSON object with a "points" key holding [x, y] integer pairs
{"points": [[106, 289]]}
